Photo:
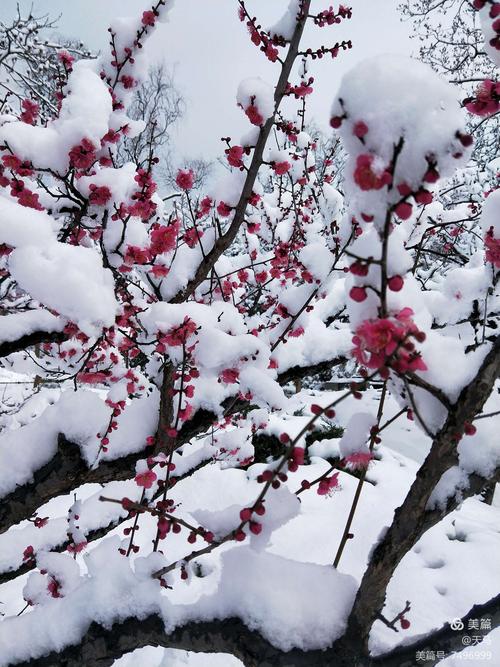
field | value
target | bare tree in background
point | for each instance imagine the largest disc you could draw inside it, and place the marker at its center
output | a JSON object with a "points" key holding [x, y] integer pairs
{"points": [[33, 65], [452, 43], [160, 105]]}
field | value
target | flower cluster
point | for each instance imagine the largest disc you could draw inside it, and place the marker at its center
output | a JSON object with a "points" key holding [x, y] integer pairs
{"points": [[368, 175], [66, 59], [492, 246], [486, 100], [177, 336], [385, 343], [30, 112], [330, 17], [83, 155], [494, 14], [185, 179]]}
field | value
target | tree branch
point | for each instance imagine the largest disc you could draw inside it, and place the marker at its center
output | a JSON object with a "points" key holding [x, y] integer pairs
{"points": [[412, 519], [35, 338], [67, 470], [100, 646], [224, 242]]}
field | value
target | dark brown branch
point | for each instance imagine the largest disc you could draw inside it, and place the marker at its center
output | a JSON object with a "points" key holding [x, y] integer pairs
{"points": [[225, 241], [100, 646], [35, 338], [67, 470], [300, 372], [412, 519], [163, 443]]}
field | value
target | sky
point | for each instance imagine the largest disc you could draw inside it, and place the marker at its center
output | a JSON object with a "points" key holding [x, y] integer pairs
{"points": [[210, 53]]}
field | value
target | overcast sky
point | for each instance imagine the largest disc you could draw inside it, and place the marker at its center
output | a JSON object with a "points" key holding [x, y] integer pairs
{"points": [[211, 53]]}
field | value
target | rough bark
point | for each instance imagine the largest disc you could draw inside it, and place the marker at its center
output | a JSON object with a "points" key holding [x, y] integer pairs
{"points": [[100, 646], [299, 372], [162, 441], [35, 338], [66, 471]]}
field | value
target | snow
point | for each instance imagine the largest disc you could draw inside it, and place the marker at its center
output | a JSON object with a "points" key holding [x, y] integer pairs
{"points": [[262, 387], [286, 24], [299, 612], [356, 434], [398, 98], [478, 454], [238, 579], [489, 213], [61, 567], [447, 555], [241, 584], [79, 415], [449, 368], [237, 491], [185, 264], [156, 657], [221, 342], [280, 580], [317, 259], [137, 422], [21, 226], [85, 113], [319, 343], [120, 182], [16, 325], [452, 295], [86, 293], [484, 651], [258, 91]]}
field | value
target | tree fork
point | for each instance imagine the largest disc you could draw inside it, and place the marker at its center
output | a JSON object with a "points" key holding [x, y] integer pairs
{"points": [[412, 519]]}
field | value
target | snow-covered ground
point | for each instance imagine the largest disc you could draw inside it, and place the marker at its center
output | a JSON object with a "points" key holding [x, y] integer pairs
{"points": [[450, 569]]}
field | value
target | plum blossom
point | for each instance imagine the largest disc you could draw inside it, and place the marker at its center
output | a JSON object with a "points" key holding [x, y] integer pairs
{"points": [[83, 155], [99, 195], [148, 18], [385, 342], [492, 246], [367, 177], [179, 335], [30, 112], [66, 59], [254, 116], [185, 179], [281, 168], [145, 479]]}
